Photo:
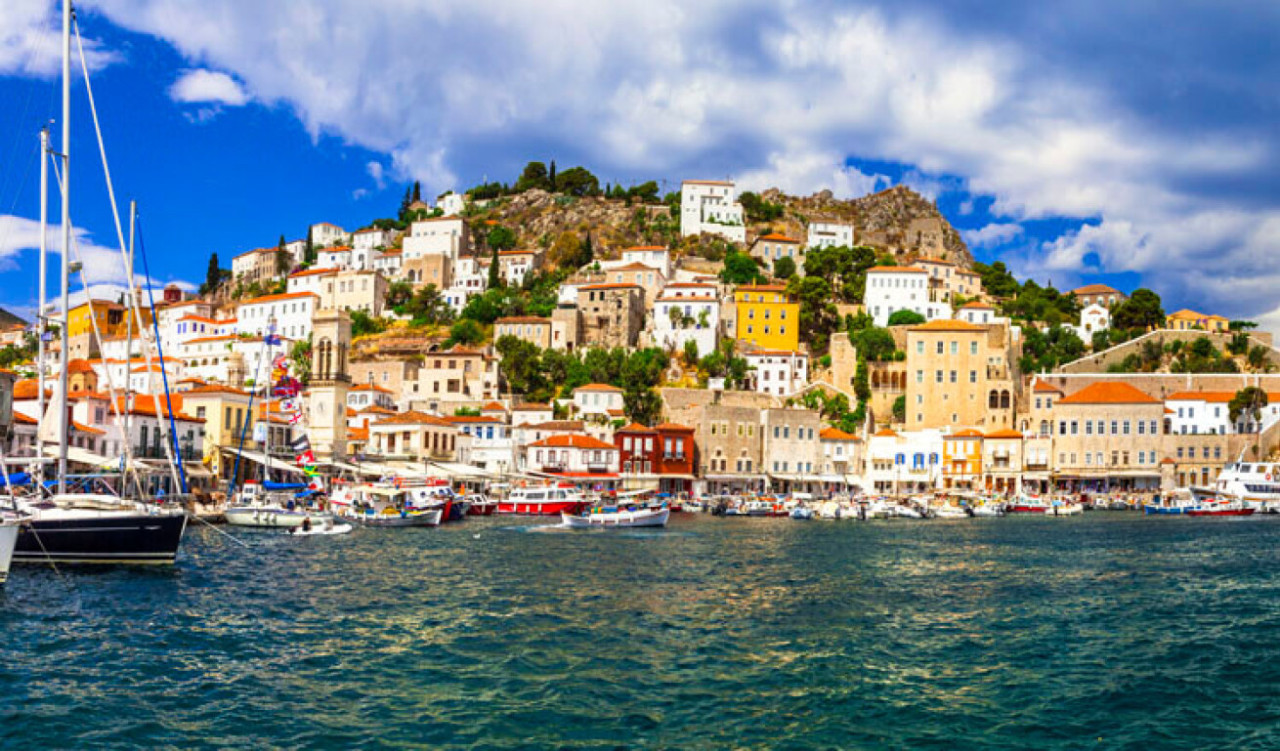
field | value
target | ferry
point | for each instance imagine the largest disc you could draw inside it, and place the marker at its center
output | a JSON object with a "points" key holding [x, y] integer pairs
{"points": [[1254, 484], [544, 500]]}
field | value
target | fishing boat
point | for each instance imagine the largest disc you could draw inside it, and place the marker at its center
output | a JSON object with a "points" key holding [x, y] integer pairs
{"points": [[1176, 503], [1064, 508], [385, 506], [1219, 507], [1025, 504], [544, 500], [613, 517], [802, 513], [988, 508], [480, 505], [274, 504]]}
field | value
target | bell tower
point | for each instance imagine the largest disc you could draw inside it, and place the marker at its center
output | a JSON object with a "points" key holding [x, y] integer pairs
{"points": [[330, 381]]}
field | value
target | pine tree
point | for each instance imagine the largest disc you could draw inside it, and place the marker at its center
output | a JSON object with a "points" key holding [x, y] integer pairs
{"points": [[551, 177], [495, 278], [213, 275], [404, 203], [309, 255], [417, 191]]}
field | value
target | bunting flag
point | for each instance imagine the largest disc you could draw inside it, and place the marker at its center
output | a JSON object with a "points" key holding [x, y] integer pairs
{"points": [[306, 457], [271, 340], [300, 444], [295, 418]]}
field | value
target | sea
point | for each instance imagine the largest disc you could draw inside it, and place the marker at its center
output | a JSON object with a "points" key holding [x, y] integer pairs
{"points": [[1105, 631]]}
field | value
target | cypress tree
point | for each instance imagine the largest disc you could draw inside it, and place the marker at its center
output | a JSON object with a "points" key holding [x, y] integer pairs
{"points": [[551, 177], [417, 191], [495, 279]]}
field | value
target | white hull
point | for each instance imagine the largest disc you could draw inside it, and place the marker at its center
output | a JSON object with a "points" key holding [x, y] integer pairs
{"points": [[985, 510], [336, 529], [272, 517], [641, 518], [8, 539], [950, 512], [1066, 509]]}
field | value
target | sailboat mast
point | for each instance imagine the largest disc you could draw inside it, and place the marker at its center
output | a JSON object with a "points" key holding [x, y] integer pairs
{"points": [[66, 241], [128, 338], [43, 284]]}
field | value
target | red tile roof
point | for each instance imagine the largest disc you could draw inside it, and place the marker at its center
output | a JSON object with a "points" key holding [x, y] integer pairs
{"points": [[1109, 393], [835, 434], [598, 387], [573, 441]]}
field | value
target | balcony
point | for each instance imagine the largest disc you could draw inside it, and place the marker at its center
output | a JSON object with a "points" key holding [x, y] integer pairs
{"points": [[553, 467], [599, 467], [186, 453]]}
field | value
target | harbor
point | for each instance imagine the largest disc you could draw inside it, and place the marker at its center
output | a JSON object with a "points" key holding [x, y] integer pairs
{"points": [[1106, 629]]}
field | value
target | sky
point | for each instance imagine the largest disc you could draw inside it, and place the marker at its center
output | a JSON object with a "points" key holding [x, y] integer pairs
{"points": [[1130, 143]]}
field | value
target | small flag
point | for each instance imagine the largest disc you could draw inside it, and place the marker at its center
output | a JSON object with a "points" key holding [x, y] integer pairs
{"points": [[271, 340], [300, 444], [306, 457]]}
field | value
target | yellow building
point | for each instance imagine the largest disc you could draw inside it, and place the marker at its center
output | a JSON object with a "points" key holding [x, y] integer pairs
{"points": [[1189, 320], [767, 317], [962, 459], [110, 318]]}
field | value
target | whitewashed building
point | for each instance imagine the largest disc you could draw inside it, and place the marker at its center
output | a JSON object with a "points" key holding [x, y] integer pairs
{"points": [[337, 257], [324, 235], [979, 313], [598, 400], [470, 278], [292, 313], [446, 235], [1094, 318], [777, 372], [828, 234], [492, 447], [893, 288], [452, 204], [711, 206], [1209, 413], [686, 312], [904, 462]]}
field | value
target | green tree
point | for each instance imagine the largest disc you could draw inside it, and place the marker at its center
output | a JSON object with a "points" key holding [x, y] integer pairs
{"points": [[874, 343], [691, 352], [495, 271], [362, 324], [300, 356], [212, 275], [1203, 347], [398, 293], [551, 177], [427, 307], [1258, 359], [643, 406], [861, 381], [500, 238], [845, 269], [1239, 344], [1141, 311], [758, 209], [284, 261], [900, 409], [1101, 340], [417, 191], [1248, 403], [533, 176], [740, 268], [996, 279], [403, 213], [817, 313], [465, 332], [309, 252], [577, 181], [906, 318], [784, 268]]}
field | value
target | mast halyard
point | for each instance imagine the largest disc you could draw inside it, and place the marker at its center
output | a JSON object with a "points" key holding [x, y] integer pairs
{"points": [[66, 242]]}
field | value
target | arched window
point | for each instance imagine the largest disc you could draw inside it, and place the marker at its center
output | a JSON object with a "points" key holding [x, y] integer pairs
{"points": [[993, 400], [1004, 399]]}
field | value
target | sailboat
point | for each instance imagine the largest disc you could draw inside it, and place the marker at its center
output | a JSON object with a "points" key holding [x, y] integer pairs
{"points": [[99, 525], [8, 540]]}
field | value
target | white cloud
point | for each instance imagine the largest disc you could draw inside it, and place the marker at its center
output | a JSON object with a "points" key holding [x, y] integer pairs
{"points": [[774, 94], [30, 36], [376, 171], [992, 235], [102, 266], [208, 87]]}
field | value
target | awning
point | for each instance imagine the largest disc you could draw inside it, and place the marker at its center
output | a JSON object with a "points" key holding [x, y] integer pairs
{"points": [[368, 469], [261, 458], [84, 456], [459, 470]]}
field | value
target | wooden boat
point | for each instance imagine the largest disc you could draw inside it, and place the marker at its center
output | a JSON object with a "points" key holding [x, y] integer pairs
{"points": [[611, 517]]}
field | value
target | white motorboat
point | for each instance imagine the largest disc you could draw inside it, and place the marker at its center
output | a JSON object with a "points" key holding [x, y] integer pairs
{"points": [[802, 513], [831, 510], [608, 517], [905, 512], [8, 539], [1255, 484], [1064, 508], [947, 511], [327, 528], [988, 509]]}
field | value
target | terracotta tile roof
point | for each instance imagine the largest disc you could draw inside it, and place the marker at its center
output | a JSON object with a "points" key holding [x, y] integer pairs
{"points": [[772, 353], [86, 429], [357, 434], [524, 319], [635, 427], [1004, 434], [895, 270], [374, 409], [779, 237], [616, 285], [1045, 387], [573, 441], [569, 425], [976, 304], [460, 419], [675, 427], [616, 412], [518, 253], [1109, 393], [633, 266], [202, 319], [493, 407], [371, 387], [761, 288], [885, 433], [79, 366], [597, 387], [274, 298], [706, 182], [1095, 289], [935, 261], [314, 272], [947, 324], [835, 434], [215, 388], [413, 417], [645, 247], [1217, 397], [531, 406], [966, 433]]}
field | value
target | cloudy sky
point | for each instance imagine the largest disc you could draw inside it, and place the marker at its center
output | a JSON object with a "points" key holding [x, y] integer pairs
{"points": [[1134, 143]]}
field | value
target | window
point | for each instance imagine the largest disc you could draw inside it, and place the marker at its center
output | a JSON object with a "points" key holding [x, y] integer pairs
{"points": [[973, 377], [919, 376], [939, 347], [1073, 427], [973, 348], [953, 376], [1088, 427], [938, 376], [919, 348]]}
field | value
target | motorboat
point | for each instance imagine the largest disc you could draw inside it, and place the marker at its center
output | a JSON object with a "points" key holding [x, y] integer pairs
{"points": [[802, 513], [1064, 508], [382, 505], [544, 500], [329, 527], [987, 508], [1220, 507], [275, 505], [612, 517], [1176, 503], [948, 511], [480, 505], [1254, 484], [1025, 504]]}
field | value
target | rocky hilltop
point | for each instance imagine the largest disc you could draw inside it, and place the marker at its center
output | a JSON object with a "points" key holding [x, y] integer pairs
{"points": [[898, 221]]}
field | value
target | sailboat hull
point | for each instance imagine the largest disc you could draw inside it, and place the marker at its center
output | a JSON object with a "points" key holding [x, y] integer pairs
{"points": [[101, 539], [8, 540]]}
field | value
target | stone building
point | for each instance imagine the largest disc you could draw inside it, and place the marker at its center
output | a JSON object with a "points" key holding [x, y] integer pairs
{"points": [[951, 380], [612, 314], [730, 442], [532, 329], [792, 453], [1107, 435]]}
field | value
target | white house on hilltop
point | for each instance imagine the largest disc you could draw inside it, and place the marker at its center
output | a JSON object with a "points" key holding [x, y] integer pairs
{"points": [[894, 288], [698, 319], [825, 234], [324, 235], [711, 206]]}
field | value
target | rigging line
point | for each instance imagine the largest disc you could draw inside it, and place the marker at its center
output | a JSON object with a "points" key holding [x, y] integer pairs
{"points": [[13, 499], [131, 282], [130, 464], [176, 457], [226, 534]]}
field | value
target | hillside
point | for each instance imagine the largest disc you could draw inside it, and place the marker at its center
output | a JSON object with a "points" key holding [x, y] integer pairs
{"points": [[897, 220], [8, 319]]}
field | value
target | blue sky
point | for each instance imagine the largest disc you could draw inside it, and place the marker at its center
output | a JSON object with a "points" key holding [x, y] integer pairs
{"points": [[1130, 143]]}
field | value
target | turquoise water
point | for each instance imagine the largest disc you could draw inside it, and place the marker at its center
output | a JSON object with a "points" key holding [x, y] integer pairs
{"points": [[1104, 631]]}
